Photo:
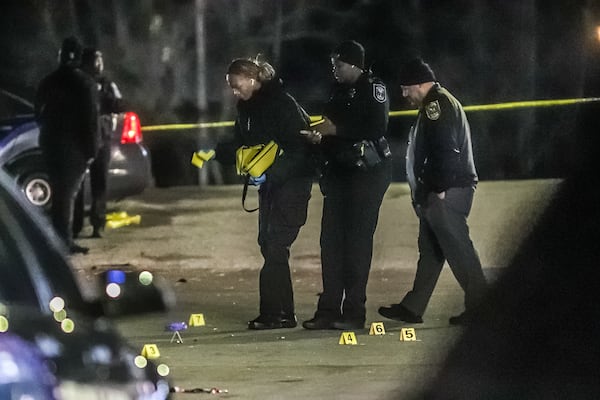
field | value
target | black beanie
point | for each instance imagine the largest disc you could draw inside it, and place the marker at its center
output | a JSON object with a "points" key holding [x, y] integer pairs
{"points": [[70, 51], [350, 52], [415, 72]]}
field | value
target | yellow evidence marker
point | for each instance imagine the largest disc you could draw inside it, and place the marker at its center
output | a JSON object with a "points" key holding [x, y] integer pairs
{"points": [[196, 320], [119, 219], [150, 351], [200, 157], [377, 328], [408, 335], [348, 338]]}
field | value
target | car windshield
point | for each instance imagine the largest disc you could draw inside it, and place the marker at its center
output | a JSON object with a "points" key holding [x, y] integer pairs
{"points": [[14, 110], [12, 105], [32, 270]]}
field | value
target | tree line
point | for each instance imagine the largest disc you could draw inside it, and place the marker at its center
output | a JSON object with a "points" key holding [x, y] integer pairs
{"points": [[169, 57]]}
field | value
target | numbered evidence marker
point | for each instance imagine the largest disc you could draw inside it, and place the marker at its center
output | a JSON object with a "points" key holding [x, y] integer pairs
{"points": [[377, 328], [196, 320], [150, 351], [408, 335], [348, 338]]}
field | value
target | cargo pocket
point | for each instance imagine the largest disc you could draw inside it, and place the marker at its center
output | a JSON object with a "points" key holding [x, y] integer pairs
{"points": [[291, 202]]}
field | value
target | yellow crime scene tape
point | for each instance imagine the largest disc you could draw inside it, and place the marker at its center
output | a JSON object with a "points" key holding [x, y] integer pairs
{"points": [[317, 118], [117, 220], [512, 105], [202, 156]]}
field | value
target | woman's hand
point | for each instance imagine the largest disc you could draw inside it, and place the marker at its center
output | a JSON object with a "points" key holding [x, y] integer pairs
{"points": [[313, 137], [326, 128]]}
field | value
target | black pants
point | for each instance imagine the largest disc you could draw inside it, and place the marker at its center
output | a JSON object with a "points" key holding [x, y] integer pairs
{"points": [[98, 183], [350, 213], [283, 211], [66, 172], [444, 235]]}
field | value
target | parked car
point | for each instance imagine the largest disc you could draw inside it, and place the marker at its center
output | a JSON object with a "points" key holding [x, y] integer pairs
{"points": [[129, 170], [39, 294]]}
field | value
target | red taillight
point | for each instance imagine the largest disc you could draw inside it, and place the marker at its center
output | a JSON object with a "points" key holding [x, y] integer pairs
{"points": [[132, 130]]}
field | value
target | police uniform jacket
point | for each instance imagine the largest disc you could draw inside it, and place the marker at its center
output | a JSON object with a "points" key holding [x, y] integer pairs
{"points": [[273, 114], [443, 154], [110, 102], [360, 111], [67, 105]]}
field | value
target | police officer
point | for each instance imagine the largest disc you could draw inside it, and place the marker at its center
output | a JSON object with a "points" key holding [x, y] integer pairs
{"points": [[110, 102], [442, 177], [355, 176], [66, 104], [267, 112]]}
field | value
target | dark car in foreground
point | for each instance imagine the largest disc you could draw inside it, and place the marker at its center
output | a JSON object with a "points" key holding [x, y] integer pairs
{"points": [[129, 170], [23, 371], [43, 310]]}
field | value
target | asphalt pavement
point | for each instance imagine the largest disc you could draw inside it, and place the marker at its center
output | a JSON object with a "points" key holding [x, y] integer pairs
{"points": [[201, 244]]}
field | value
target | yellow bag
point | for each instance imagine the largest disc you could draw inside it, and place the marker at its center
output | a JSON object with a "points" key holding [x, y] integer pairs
{"points": [[255, 160]]}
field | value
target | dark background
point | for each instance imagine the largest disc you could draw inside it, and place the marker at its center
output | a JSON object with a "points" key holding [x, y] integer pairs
{"points": [[483, 51], [541, 330]]}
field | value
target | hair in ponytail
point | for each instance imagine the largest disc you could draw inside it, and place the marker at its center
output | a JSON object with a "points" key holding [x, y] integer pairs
{"points": [[252, 68]]}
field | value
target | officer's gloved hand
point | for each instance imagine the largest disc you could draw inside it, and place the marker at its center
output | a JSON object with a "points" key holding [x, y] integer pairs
{"points": [[257, 181]]}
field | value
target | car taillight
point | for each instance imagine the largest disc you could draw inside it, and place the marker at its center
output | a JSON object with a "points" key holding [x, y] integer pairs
{"points": [[132, 130]]}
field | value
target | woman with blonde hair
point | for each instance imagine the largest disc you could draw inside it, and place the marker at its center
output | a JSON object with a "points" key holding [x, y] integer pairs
{"points": [[266, 112]]}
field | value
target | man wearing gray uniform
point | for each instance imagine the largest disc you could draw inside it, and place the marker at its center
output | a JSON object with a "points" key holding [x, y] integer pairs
{"points": [[442, 178]]}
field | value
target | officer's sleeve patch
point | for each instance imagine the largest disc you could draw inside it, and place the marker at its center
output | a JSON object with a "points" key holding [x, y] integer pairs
{"points": [[433, 110], [379, 92]]}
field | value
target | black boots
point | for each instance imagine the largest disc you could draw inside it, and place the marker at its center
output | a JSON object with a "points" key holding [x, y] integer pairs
{"points": [[273, 322]]}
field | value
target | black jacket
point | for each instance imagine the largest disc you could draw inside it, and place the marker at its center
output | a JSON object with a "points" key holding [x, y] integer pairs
{"points": [[273, 114], [443, 153], [67, 107], [110, 98], [360, 111], [110, 102]]}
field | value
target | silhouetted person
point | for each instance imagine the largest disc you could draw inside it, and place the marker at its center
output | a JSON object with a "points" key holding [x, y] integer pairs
{"points": [[67, 107], [111, 102]]}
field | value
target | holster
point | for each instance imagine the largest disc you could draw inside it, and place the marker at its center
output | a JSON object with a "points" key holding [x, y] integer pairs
{"points": [[365, 154]]}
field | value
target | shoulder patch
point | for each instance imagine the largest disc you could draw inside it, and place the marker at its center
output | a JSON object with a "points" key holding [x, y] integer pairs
{"points": [[433, 110], [379, 92]]}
